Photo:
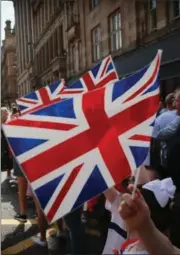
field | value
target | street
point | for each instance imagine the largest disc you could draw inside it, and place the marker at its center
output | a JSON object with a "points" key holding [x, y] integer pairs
{"points": [[15, 236]]}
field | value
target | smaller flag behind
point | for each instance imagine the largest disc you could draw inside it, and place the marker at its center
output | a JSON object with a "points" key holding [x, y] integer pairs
{"points": [[100, 75], [40, 98]]}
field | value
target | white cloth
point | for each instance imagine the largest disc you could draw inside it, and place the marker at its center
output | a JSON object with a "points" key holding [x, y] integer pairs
{"points": [[114, 239], [163, 190], [128, 250]]}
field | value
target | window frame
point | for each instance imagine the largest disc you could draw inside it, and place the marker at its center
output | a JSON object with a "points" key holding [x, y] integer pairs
{"points": [[173, 6], [92, 4], [95, 45], [118, 43], [153, 14]]}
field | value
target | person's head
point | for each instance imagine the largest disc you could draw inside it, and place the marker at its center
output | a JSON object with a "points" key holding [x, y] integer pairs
{"points": [[15, 110], [177, 101], [4, 114], [159, 197], [161, 105], [123, 187], [169, 100]]}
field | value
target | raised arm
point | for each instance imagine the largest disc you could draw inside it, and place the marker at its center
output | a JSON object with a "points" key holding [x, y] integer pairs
{"points": [[155, 242], [135, 212], [110, 194]]}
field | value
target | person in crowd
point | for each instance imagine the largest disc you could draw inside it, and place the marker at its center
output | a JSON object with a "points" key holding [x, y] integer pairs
{"points": [[76, 221], [22, 216], [21, 180], [162, 108], [6, 159], [43, 225], [156, 160], [76, 229], [22, 188], [171, 135], [138, 213], [117, 233], [22, 191]]}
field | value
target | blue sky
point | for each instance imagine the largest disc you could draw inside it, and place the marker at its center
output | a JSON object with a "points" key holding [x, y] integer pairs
{"points": [[7, 12]]}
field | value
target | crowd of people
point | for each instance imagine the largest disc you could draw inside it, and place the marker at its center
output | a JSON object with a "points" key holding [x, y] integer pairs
{"points": [[141, 215]]}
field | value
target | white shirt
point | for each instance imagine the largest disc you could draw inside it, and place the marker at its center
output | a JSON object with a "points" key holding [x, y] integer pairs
{"points": [[128, 250], [162, 121], [114, 239]]}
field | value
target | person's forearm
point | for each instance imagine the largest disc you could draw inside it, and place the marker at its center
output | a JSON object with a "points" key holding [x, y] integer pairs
{"points": [[154, 241], [110, 194]]}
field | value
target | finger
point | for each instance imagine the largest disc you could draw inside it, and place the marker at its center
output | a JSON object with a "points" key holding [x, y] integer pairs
{"points": [[130, 201], [138, 199], [125, 211], [137, 192]]}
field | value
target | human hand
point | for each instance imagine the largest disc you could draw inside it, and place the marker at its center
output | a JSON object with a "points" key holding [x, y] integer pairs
{"points": [[134, 211]]}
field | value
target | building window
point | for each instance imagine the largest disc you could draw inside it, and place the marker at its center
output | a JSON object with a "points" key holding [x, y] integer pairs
{"points": [[96, 43], [115, 31], [176, 8], [153, 16], [94, 4]]}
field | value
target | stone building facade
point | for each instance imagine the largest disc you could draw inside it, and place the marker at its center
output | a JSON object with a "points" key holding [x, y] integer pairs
{"points": [[131, 31], [8, 66], [65, 38], [49, 55], [41, 56]]}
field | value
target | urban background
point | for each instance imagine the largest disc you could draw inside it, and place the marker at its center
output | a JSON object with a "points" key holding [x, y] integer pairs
{"points": [[55, 39]]}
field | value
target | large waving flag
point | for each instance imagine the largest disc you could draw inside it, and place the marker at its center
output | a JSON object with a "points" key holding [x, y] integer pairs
{"points": [[73, 150], [40, 98], [100, 75]]}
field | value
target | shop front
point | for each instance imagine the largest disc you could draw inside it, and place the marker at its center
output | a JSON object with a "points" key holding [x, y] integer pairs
{"points": [[170, 67]]}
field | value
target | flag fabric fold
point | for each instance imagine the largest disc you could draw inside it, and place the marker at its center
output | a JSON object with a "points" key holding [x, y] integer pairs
{"points": [[75, 149]]}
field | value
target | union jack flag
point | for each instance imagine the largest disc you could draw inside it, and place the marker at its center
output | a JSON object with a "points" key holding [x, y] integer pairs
{"points": [[40, 98], [100, 75], [73, 150]]}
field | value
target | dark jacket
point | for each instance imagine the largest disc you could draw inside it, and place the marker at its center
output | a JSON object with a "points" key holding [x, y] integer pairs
{"points": [[173, 159]]}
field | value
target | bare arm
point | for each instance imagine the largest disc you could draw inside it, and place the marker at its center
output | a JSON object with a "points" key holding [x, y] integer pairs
{"points": [[135, 212], [110, 194], [155, 242]]}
